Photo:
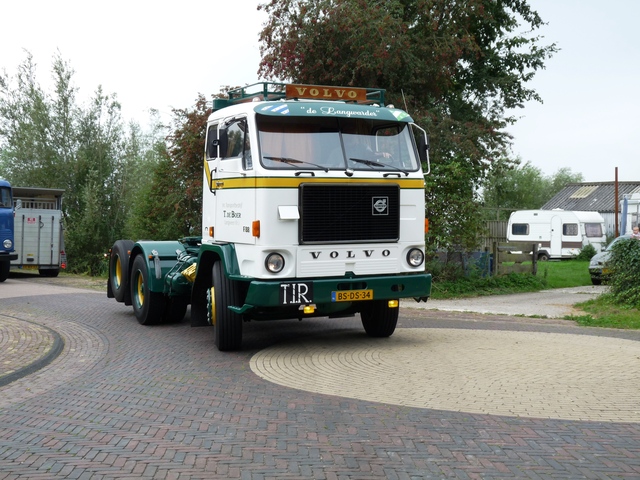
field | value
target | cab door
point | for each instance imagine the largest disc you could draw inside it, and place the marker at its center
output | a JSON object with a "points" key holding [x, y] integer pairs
{"points": [[233, 184]]}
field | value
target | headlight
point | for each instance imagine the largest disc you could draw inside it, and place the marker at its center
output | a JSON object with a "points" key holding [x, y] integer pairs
{"points": [[274, 262], [7, 244], [415, 257]]}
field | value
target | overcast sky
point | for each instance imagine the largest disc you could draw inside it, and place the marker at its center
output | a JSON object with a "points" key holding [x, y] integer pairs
{"points": [[161, 54]]}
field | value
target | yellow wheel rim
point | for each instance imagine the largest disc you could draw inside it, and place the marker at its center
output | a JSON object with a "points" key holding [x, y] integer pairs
{"points": [[212, 305], [118, 273], [140, 291]]}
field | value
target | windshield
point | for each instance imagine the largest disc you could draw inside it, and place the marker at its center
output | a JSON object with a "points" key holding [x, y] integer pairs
{"points": [[318, 143], [5, 197]]}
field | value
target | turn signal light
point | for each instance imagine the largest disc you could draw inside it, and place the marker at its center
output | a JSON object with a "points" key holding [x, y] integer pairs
{"points": [[393, 303]]}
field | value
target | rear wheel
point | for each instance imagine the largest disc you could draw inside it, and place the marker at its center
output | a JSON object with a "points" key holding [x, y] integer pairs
{"points": [[4, 270], [543, 257], [596, 281], [228, 325], [49, 272], [378, 319], [119, 269], [176, 307], [148, 306]]}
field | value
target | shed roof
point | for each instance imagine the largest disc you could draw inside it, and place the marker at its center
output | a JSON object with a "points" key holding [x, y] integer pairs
{"points": [[591, 196]]}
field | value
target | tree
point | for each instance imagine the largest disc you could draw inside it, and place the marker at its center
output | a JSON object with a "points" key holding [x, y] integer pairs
{"points": [[169, 206], [512, 187], [48, 140], [458, 67]]}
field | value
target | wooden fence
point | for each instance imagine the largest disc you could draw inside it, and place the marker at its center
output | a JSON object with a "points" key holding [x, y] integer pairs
{"points": [[511, 258], [496, 231]]}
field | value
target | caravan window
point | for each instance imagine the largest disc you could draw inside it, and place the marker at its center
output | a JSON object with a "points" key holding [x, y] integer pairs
{"points": [[593, 229], [520, 229], [570, 229]]}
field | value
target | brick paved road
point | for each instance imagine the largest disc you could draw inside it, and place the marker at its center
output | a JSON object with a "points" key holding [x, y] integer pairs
{"points": [[126, 401]]}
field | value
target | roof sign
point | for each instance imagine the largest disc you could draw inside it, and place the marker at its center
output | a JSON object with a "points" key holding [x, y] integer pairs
{"points": [[318, 92]]}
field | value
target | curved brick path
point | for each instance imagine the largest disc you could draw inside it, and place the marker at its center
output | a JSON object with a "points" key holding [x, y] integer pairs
{"points": [[127, 401]]}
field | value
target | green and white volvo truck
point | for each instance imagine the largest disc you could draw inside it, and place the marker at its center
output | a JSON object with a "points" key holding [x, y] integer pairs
{"points": [[312, 206]]}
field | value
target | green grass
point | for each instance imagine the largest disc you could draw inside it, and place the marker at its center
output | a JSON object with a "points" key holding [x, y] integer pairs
{"points": [[602, 312], [599, 312], [565, 274], [568, 273]]}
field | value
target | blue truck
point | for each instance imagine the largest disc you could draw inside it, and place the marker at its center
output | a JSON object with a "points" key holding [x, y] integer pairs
{"points": [[7, 251]]}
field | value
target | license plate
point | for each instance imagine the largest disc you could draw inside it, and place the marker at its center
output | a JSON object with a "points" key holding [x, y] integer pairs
{"points": [[351, 295], [29, 267]]}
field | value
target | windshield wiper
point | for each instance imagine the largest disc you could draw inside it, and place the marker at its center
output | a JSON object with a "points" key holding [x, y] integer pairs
{"points": [[372, 164], [293, 162]]}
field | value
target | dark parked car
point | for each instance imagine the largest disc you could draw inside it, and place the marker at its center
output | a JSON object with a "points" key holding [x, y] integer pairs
{"points": [[598, 264]]}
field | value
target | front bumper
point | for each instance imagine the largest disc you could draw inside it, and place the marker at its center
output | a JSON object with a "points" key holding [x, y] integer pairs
{"points": [[8, 257], [295, 293]]}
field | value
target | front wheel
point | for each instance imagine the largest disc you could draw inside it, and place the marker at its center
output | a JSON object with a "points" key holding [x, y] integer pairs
{"points": [[148, 306], [378, 319], [227, 325], [4, 270], [543, 257]]}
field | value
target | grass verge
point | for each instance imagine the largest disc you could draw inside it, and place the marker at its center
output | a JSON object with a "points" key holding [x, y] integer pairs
{"points": [[602, 312], [565, 274]]}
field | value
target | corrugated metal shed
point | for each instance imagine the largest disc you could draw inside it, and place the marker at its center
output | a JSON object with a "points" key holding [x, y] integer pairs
{"points": [[597, 196]]}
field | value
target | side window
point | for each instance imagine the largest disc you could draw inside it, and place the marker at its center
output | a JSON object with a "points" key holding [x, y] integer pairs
{"points": [[593, 229], [570, 229], [239, 143], [212, 141], [520, 229]]}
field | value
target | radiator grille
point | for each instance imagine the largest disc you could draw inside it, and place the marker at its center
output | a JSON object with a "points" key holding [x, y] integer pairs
{"points": [[350, 213]]}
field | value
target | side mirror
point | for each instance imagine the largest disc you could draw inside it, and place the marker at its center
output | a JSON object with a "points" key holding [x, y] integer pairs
{"points": [[217, 147], [423, 148]]}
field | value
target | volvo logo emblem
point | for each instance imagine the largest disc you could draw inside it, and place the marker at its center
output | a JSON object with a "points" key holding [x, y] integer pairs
{"points": [[380, 205]]}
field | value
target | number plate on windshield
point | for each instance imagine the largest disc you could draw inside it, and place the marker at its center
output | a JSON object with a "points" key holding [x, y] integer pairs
{"points": [[351, 295]]}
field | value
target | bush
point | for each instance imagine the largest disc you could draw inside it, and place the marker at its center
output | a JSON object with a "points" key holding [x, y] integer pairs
{"points": [[625, 273], [587, 252]]}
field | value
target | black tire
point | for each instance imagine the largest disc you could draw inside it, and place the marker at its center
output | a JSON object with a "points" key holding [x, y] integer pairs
{"points": [[596, 281], [543, 257], [49, 272], [227, 325], [148, 306], [378, 319], [4, 270], [119, 269], [175, 309]]}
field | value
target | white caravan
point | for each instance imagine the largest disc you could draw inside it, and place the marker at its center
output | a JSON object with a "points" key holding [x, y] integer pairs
{"points": [[558, 233]]}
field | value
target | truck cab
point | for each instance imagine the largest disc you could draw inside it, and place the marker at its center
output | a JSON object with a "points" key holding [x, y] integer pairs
{"points": [[7, 246]]}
